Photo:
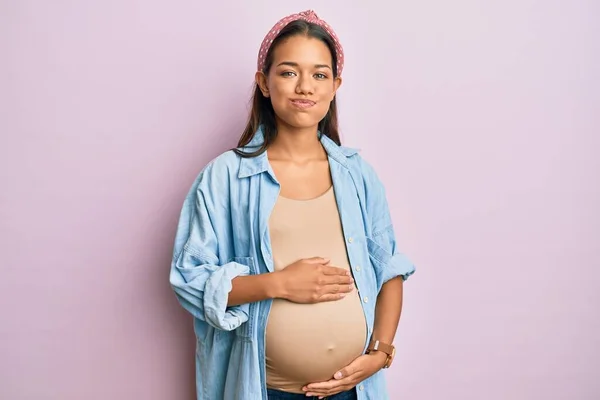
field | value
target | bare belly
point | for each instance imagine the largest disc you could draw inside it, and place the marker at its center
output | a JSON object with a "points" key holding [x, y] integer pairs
{"points": [[308, 343]]}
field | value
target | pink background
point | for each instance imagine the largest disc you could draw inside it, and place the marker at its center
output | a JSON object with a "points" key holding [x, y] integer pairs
{"points": [[482, 118]]}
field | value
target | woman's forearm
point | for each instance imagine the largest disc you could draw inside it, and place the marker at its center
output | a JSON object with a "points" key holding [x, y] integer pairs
{"points": [[388, 310], [252, 288]]}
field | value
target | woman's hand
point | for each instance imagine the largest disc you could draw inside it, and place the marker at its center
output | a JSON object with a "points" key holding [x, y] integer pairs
{"points": [[312, 280], [347, 378]]}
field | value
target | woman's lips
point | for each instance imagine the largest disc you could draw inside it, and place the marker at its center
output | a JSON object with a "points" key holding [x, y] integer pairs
{"points": [[303, 103]]}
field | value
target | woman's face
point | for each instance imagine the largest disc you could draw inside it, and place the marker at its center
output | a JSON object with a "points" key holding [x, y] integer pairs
{"points": [[300, 82]]}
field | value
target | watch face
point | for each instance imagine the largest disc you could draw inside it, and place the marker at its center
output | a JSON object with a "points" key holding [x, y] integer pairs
{"points": [[390, 359]]}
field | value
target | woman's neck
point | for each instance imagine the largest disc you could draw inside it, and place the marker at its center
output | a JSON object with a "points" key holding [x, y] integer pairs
{"points": [[297, 145]]}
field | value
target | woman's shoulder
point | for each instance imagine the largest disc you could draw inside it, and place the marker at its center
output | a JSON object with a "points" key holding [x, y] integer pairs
{"points": [[222, 164], [360, 164], [366, 176], [218, 172]]}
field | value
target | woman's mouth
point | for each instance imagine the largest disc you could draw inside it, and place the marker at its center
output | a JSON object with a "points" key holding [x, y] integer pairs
{"points": [[302, 103]]}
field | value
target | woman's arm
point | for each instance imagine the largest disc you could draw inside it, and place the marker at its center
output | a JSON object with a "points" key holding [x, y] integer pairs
{"points": [[251, 288], [309, 280], [200, 282], [388, 310], [395, 268], [387, 315]]}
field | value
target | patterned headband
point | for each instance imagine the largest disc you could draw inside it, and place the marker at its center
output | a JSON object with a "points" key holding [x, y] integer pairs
{"points": [[308, 16]]}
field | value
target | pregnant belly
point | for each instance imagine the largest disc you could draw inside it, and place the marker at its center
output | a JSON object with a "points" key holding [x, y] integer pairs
{"points": [[308, 343]]}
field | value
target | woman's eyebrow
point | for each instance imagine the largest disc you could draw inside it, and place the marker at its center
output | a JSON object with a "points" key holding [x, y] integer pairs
{"points": [[295, 64]]}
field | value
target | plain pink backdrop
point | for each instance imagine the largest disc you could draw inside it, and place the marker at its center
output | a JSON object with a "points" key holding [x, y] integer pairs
{"points": [[482, 119]]}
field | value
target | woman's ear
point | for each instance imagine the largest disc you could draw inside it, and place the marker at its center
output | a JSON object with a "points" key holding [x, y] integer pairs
{"points": [[337, 82], [261, 81]]}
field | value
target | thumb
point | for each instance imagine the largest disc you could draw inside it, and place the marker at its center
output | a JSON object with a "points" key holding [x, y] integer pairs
{"points": [[344, 372], [318, 260]]}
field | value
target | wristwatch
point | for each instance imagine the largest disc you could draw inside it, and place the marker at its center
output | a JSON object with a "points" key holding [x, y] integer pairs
{"points": [[389, 349]]}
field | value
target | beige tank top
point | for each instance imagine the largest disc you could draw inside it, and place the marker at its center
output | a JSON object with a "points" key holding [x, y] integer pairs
{"points": [[308, 343]]}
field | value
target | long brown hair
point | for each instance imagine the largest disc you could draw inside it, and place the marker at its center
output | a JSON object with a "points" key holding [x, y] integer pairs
{"points": [[262, 112]]}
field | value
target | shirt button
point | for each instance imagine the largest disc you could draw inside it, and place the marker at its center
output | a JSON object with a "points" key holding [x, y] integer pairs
{"points": [[357, 268], [366, 299], [361, 387], [350, 240]]}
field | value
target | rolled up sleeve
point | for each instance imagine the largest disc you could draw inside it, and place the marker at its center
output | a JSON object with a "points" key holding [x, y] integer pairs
{"points": [[199, 279], [390, 263], [388, 260], [203, 289]]}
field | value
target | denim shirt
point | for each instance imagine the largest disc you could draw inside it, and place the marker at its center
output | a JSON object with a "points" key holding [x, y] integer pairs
{"points": [[223, 233]]}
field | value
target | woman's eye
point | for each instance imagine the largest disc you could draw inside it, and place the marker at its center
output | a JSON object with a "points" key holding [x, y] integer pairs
{"points": [[321, 76], [288, 73]]}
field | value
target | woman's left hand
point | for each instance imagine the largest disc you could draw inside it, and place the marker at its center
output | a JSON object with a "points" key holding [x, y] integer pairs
{"points": [[347, 378]]}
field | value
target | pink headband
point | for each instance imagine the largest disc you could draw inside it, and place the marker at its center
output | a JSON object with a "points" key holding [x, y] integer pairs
{"points": [[308, 16]]}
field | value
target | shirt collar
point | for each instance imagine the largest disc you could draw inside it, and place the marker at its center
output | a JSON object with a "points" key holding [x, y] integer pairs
{"points": [[255, 165]]}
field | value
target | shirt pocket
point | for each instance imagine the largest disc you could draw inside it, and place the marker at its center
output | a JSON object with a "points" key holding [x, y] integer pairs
{"points": [[246, 330]]}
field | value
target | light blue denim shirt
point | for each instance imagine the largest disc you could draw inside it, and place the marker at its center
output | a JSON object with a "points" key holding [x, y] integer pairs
{"points": [[222, 233]]}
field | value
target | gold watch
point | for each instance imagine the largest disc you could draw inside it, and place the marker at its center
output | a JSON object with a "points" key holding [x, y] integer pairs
{"points": [[389, 349]]}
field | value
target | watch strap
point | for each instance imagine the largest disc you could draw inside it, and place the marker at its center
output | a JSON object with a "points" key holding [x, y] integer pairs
{"points": [[377, 345], [387, 349]]}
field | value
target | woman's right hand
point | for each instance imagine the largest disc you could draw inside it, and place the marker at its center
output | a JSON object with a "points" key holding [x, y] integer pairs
{"points": [[312, 280]]}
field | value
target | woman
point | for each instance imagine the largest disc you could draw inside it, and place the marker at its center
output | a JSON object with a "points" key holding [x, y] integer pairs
{"points": [[285, 252]]}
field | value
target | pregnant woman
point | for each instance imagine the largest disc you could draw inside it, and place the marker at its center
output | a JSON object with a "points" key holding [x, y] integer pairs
{"points": [[285, 252]]}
